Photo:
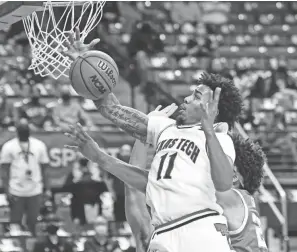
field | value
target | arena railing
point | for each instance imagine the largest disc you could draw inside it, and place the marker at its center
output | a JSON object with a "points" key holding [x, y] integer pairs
{"points": [[281, 215]]}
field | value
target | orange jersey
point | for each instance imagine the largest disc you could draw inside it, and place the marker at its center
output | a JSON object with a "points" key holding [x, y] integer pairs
{"points": [[249, 237]]}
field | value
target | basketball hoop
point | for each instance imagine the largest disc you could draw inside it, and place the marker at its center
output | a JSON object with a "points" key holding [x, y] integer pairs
{"points": [[48, 33]]}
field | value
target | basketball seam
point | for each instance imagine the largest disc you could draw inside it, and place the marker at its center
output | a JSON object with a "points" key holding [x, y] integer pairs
{"points": [[99, 74], [110, 62], [85, 83]]}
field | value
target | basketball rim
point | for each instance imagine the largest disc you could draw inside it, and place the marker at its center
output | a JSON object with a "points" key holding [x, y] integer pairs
{"points": [[47, 32]]}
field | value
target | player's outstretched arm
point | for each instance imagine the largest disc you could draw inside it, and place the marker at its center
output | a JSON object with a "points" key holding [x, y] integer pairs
{"points": [[133, 121], [135, 203], [129, 174], [130, 120]]}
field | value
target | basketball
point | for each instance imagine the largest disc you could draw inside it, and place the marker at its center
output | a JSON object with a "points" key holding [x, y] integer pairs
{"points": [[94, 74]]}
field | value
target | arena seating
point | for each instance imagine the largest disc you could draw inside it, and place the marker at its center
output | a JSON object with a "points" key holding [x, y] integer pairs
{"points": [[255, 32]]}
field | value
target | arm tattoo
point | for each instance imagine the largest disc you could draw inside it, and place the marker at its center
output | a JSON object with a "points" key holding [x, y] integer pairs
{"points": [[130, 120]]}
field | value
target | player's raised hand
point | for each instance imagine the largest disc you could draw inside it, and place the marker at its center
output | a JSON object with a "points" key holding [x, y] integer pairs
{"points": [[76, 46], [83, 142], [210, 111], [165, 112]]}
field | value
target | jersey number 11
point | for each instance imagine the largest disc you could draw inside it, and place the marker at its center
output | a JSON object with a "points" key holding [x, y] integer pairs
{"points": [[169, 168]]}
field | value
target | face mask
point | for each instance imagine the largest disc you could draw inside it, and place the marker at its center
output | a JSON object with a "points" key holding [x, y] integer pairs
{"points": [[52, 230], [23, 134], [65, 97]]}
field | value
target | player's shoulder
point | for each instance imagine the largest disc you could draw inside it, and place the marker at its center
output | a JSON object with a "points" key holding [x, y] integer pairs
{"points": [[249, 198], [223, 135], [227, 143], [161, 120], [243, 192], [246, 197], [229, 198]]}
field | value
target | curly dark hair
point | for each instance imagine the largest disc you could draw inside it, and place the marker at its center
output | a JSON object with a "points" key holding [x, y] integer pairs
{"points": [[230, 103], [249, 161]]}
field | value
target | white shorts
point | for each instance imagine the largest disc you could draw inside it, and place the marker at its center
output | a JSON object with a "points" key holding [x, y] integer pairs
{"points": [[204, 231]]}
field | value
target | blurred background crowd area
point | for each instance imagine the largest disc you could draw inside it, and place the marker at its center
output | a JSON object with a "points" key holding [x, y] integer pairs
{"points": [[161, 48], [86, 211]]}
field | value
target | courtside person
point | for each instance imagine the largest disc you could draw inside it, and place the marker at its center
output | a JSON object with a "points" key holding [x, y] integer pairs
{"points": [[24, 160]]}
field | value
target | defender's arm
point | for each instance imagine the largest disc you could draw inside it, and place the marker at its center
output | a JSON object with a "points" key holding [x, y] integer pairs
{"points": [[132, 121], [44, 164], [129, 174]]}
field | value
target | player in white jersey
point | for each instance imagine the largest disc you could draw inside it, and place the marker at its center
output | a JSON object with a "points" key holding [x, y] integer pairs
{"points": [[190, 164], [138, 179], [243, 223]]}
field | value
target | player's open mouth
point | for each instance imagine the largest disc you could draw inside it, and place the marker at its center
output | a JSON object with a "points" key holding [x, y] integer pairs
{"points": [[182, 108]]}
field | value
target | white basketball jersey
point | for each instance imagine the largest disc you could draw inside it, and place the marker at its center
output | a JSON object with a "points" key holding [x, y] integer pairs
{"points": [[179, 180]]}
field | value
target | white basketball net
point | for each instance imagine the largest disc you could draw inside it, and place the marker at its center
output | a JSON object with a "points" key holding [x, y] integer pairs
{"points": [[47, 35]]}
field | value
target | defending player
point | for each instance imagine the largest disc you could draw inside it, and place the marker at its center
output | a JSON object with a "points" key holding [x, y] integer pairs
{"points": [[135, 204], [190, 164], [238, 204]]}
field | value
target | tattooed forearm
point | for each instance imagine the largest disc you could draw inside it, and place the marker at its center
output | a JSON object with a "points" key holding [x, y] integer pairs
{"points": [[130, 120]]}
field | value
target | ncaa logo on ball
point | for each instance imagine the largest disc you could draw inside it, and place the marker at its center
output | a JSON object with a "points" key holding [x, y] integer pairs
{"points": [[109, 72], [94, 80]]}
